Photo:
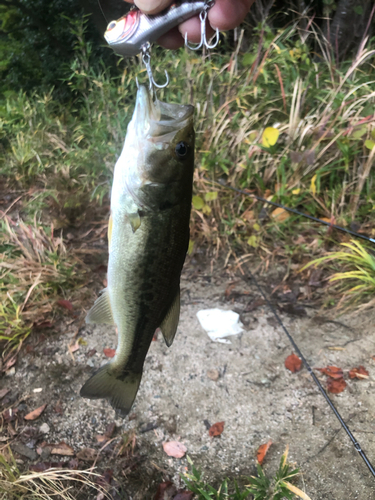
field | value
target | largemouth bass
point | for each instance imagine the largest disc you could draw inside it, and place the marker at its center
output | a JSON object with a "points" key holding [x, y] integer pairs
{"points": [[148, 238]]}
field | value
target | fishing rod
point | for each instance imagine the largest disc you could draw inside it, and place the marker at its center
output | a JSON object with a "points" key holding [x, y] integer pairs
{"points": [[356, 444], [337, 414], [292, 210]]}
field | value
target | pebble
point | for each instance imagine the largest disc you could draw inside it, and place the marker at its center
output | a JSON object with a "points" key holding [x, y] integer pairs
{"points": [[44, 428], [213, 375]]}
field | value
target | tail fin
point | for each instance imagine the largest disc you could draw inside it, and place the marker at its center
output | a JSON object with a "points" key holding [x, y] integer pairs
{"points": [[119, 388]]}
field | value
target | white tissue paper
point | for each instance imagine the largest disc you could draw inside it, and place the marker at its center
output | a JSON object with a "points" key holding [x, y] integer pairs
{"points": [[220, 324]]}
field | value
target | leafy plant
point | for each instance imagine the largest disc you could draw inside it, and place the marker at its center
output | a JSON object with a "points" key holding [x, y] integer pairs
{"points": [[356, 282], [278, 487]]}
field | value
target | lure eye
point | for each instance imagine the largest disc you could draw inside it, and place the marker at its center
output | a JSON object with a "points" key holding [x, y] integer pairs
{"points": [[111, 25], [181, 149]]}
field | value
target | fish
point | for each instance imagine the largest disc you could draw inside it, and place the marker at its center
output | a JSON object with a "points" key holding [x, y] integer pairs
{"points": [[148, 238]]}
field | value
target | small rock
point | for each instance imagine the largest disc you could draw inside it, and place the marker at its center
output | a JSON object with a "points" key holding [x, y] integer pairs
{"points": [[213, 375], [44, 428], [10, 372], [25, 451]]}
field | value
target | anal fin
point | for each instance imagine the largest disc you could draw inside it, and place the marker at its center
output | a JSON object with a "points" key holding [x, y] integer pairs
{"points": [[101, 312], [169, 324]]}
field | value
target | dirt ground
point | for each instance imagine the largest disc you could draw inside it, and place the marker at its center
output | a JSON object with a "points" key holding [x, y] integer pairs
{"points": [[254, 394]]}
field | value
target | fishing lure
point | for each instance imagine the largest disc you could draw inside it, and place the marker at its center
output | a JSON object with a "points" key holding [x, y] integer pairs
{"points": [[133, 33]]}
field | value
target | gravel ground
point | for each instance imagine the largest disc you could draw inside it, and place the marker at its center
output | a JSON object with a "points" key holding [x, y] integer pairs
{"points": [[197, 383]]}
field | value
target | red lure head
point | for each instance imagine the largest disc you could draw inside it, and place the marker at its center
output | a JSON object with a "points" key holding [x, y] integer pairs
{"points": [[123, 28]]}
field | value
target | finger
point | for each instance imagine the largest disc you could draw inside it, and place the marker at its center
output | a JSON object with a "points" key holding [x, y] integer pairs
{"points": [[171, 40], [193, 29], [152, 6], [224, 15]]}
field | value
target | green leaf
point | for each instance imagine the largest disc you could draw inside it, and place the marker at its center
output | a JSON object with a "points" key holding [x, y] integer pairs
{"points": [[211, 196], [359, 132], [248, 59], [253, 241], [198, 202], [370, 144]]}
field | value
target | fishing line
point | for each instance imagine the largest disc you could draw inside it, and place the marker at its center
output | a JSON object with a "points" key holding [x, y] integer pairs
{"points": [[356, 444], [101, 8], [292, 210]]}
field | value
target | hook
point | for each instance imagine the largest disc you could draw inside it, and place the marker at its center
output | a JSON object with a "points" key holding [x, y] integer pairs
{"points": [[203, 17], [146, 58]]}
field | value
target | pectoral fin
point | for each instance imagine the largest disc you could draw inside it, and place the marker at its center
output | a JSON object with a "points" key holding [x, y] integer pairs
{"points": [[170, 322], [101, 312], [135, 221]]}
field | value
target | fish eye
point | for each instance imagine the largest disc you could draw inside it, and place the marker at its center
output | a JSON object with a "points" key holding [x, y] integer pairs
{"points": [[111, 25], [181, 149]]}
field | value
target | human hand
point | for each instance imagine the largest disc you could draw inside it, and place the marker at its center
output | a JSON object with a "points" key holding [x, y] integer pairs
{"points": [[224, 15]]}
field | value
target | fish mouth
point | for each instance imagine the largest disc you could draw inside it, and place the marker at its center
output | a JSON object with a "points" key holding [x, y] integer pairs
{"points": [[156, 119]]}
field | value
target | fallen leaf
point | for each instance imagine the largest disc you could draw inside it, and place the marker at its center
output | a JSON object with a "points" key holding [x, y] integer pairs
{"points": [[359, 372], [109, 352], [33, 415], [262, 451], [101, 439], [43, 466], [91, 353], [110, 429], [87, 454], [332, 371], [216, 429], [73, 347], [336, 386], [165, 491], [295, 490], [280, 215], [58, 408], [174, 449], [62, 449], [293, 363], [10, 363], [270, 136], [183, 495], [313, 185], [3, 392], [10, 415], [66, 304]]}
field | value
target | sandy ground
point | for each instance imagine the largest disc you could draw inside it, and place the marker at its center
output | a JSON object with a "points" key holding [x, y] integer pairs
{"points": [[254, 394]]}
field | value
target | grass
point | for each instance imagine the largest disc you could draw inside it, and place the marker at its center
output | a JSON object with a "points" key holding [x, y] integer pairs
{"points": [[355, 282], [57, 158], [58, 483], [278, 487], [69, 484]]}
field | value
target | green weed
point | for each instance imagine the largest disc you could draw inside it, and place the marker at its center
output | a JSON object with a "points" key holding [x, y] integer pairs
{"points": [[60, 156], [356, 282], [261, 487]]}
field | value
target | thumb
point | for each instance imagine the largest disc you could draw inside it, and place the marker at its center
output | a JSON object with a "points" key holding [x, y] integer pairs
{"points": [[152, 6]]}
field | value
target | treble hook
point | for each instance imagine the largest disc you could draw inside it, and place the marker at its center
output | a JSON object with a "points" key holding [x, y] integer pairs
{"points": [[146, 58], [203, 17]]}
